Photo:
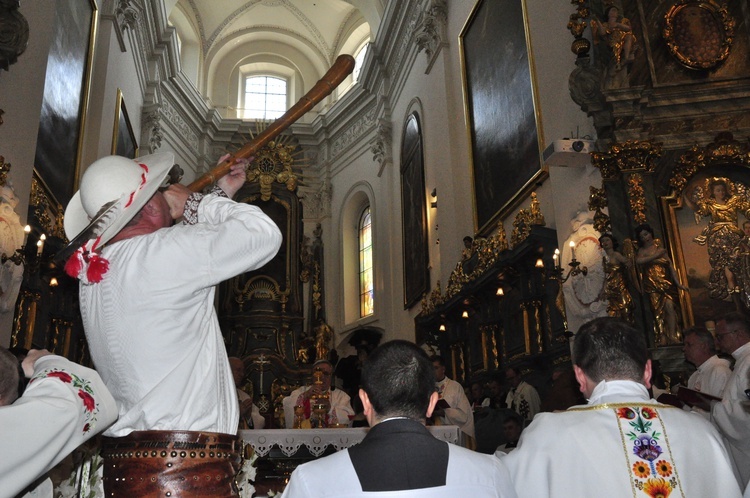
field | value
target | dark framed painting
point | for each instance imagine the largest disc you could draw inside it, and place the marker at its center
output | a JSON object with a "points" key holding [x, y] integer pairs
{"points": [[500, 105], [66, 94], [414, 214], [124, 142]]}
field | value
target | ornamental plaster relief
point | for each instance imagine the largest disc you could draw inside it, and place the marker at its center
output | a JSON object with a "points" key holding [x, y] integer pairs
{"points": [[172, 115], [353, 133]]}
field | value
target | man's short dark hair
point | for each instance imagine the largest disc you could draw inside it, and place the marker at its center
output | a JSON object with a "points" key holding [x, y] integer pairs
{"points": [[702, 335], [609, 349], [398, 378], [8, 377], [737, 318], [435, 358]]}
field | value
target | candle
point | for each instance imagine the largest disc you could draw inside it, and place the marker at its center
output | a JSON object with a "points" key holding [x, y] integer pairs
{"points": [[554, 258], [557, 257], [40, 244], [573, 250], [26, 232]]}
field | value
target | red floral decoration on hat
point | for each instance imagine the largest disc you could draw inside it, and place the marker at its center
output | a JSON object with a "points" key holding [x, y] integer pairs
{"points": [[87, 265]]}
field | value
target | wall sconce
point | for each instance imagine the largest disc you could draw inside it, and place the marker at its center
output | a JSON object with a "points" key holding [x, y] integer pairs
{"points": [[442, 327], [500, 292], [465, 314], [53, 282], [575, 266], [433, 204], [18, 257], [539, 263]]}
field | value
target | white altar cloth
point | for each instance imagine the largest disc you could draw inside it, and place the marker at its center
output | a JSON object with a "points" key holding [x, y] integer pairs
{"points": [[317, 440]]}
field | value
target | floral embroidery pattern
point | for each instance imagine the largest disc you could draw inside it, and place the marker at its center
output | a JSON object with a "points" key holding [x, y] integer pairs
{"points": [[82, 388], [652, 471]]}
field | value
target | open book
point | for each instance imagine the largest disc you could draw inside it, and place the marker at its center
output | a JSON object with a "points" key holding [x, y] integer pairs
{"points": [[442, 404], [696, 398]]}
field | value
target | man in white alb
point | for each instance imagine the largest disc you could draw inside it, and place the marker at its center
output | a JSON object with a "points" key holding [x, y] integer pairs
{"points": [[712, 372], [522, 398], [621, 444], [732, 414], [458, 412]]}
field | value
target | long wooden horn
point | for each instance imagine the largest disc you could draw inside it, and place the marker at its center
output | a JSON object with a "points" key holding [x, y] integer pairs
{"points": [[342, 68]]}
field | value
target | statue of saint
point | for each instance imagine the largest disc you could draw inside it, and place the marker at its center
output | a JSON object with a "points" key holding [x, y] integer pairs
{"points": [[721, 200], [323, 337], [616, 266], [659, 282], [618, 34]]}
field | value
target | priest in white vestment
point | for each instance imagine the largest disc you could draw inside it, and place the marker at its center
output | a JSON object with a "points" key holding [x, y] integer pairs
{"points": [[732, 414], [621, 444]]}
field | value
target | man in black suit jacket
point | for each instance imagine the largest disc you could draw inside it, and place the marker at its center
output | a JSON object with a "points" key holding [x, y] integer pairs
{"points": [[399, 456]]}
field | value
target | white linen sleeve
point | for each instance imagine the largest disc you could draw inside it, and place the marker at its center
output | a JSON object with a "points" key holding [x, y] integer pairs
{"points": [[234, 237], [64, 405]]}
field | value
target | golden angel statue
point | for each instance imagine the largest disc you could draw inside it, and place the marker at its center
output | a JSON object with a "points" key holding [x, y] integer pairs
{"points": [[659, 282], [722, 200], [618, 34], [616, 267]]}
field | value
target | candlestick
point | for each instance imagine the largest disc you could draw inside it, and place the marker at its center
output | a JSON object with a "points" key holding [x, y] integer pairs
{"points": [[573, 250], [556, 257], [26, 232]]}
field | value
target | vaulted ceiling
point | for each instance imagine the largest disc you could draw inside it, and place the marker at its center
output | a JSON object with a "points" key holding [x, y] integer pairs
{"points": [[298, 39]]}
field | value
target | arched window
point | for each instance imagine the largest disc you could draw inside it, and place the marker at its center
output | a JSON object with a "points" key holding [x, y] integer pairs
{"points": [[359, 59], [366, 294], [265, 97]]}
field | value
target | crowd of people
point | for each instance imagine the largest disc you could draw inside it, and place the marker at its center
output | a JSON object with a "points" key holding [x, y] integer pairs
{"points": [[169, 401]]}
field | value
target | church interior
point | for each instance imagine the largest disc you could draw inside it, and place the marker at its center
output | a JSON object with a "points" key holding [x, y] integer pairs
{"points": [[453, 190]]}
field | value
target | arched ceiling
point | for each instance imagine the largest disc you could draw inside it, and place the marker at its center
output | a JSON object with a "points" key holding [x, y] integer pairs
{"points": [[221, 31]]}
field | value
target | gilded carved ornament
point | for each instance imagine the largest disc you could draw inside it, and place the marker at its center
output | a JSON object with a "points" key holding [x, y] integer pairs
{"points": [[637, 197], [723, 150], [487, 251], [699, 33], [273, 163], [597, 202], [576, 26], [633, 155]]}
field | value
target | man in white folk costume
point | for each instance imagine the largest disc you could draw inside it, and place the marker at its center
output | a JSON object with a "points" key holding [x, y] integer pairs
{"points": [[63, 405], [146, 295], [621, 444]]}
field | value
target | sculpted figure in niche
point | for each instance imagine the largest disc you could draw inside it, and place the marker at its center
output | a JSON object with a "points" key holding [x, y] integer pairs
{"points": [[323, 337], [616, 291], [618, 34], [721, 200], [659, 282]]}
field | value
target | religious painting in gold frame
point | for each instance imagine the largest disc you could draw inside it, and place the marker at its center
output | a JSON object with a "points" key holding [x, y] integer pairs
{"points": [[500, 104], [705, 228], [124, 142], [699, 33]]}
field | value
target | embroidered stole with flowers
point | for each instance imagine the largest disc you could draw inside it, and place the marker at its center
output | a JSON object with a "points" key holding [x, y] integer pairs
{"points": [[644, 440]]}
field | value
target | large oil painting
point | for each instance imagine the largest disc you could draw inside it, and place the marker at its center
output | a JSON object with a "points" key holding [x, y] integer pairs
{"points": [[414, 214], [500, 109], [66, 90], [709, 231]]}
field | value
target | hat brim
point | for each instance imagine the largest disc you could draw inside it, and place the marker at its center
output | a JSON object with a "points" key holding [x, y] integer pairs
{"points": [[77, 220]]}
